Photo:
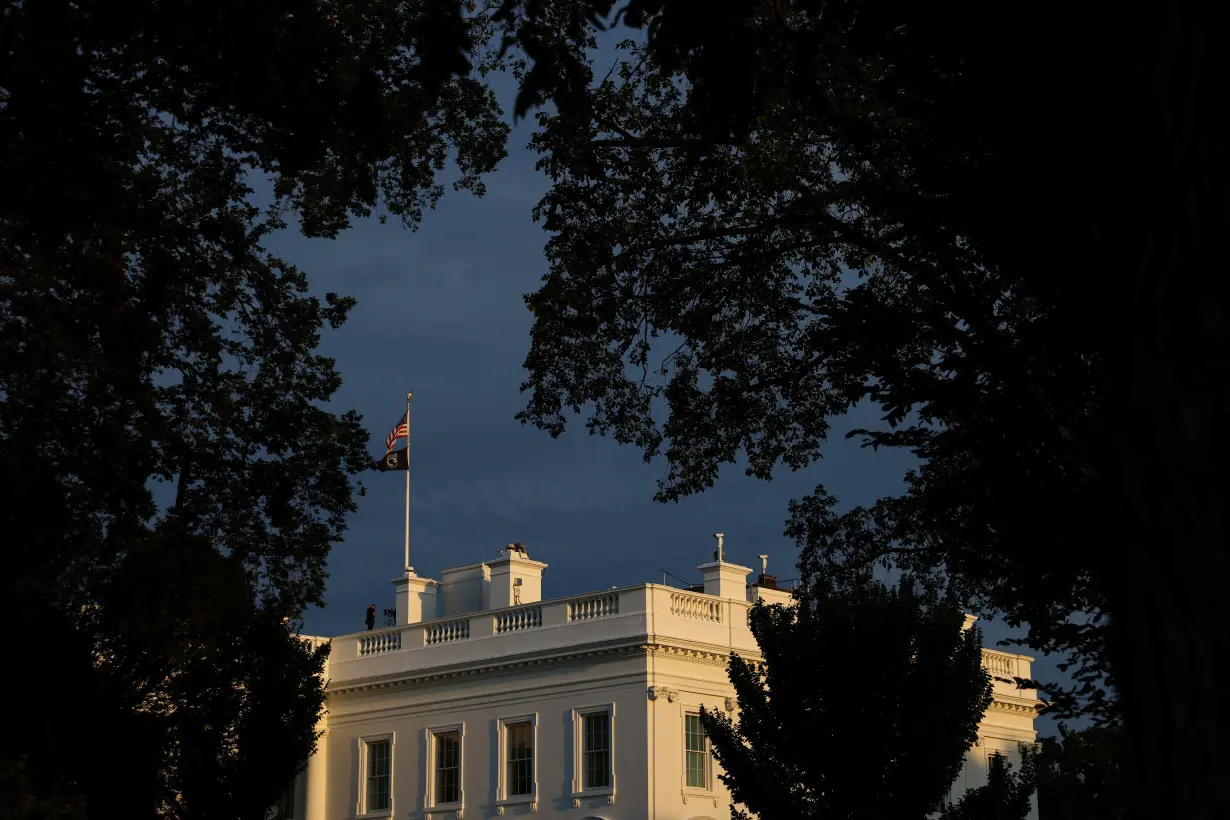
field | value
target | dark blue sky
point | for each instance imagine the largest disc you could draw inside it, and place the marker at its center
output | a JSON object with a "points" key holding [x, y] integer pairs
{"points": [[440, 313]]}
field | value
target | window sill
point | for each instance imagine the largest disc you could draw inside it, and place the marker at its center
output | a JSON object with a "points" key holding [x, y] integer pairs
{"points": [[530, 800], [445, 808], [703, 795], [586, 794], [383, 814], [699, 791]]}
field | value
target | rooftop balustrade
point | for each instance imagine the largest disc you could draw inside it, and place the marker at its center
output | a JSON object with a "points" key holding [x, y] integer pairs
{"points": [[620, 615]]}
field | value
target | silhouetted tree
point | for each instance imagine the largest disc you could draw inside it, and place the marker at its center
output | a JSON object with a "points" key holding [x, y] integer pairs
{"points": [[1005, 796], [171, 478], [1086, 775], [999, 228], [863, 704]]}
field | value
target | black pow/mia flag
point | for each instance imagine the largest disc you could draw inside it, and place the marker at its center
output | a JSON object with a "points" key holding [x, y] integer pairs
{"points": [[394, 460]]}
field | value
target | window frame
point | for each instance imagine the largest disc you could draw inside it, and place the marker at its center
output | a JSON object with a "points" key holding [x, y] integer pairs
{"points": [[686, 710], [279, 808], [502, 797], [578, 747], [430, 804], [364, 745]]}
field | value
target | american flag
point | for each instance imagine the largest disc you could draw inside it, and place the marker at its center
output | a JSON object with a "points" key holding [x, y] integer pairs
{"points": [[402, 430]]}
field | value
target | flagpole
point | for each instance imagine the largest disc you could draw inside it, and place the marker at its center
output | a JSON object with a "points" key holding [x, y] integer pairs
{"points": [[409, 396]]}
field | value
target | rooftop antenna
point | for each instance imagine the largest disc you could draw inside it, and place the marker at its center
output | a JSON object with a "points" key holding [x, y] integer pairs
{"points": [[764, 564], [719, 536]]}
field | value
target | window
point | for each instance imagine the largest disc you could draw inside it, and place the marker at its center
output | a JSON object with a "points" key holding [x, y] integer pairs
{"points": [[379, 771], [696, 752], [593, 762], [374, 775], [596, 750], [519, 745], [448, 767], [444, 766], [285, 807]]}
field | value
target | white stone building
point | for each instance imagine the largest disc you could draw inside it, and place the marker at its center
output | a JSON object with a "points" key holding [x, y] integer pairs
{"points": [[487, 700]]}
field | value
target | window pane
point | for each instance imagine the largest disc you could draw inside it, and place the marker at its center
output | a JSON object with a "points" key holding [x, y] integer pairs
{"points": [[378, 759], [448, 767], [696, 752], [596, 751], [520, 744], [694, 733]]}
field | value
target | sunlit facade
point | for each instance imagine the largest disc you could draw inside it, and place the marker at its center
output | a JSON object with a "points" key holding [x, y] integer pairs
{"points": [[486, 700]]}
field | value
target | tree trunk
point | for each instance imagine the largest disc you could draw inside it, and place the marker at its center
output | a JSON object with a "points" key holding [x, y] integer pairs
{"points": [[1170, 574]]}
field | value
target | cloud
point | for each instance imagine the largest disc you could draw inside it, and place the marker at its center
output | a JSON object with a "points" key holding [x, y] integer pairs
{"points": [[522, 498]]}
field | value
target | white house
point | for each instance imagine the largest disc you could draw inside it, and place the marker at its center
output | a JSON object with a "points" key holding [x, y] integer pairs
{"points": [[486, 700]]}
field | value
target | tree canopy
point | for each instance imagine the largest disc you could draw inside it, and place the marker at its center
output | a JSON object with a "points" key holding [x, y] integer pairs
{"points": [[769, 213], [1086, 774], [1005, 795], [1008, 249], [172, 477], [863, 703], [767, 249]]}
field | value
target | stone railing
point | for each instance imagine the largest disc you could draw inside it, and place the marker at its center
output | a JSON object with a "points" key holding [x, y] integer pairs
{"points": [[593, 606], [636, 616], [378, 643], [696, 607], [515, 620], [1004, 666], [446, 631], [624, 614]]}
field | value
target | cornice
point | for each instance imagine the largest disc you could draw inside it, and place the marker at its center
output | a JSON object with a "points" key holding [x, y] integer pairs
{"points": [[691, 654], [488, 666], [1016, 706], [664, 650], [624, 648]]}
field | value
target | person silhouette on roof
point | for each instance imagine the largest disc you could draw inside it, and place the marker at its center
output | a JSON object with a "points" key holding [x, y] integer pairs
{"points": [[371, 617]]}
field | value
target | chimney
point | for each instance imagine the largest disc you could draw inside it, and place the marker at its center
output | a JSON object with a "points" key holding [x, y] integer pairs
{"points": [[765, 580], [765, 589], [465, 589], [515, 579], [416, 598], [722, 579]]}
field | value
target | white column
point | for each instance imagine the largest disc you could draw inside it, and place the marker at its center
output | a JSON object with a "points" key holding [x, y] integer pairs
{"points": [[317, 773]]}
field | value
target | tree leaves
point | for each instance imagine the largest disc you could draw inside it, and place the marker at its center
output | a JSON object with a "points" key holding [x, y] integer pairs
{"points": [[808, 205], [174, 477], [864, 705], [1086, 774], [1005, 796], [756, 223]]}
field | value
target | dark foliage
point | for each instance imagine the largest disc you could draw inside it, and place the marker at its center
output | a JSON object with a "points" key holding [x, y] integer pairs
{"points": [[1001, 228], [1086, 775], [1005, 796], [863, 704], [172, 483]]}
